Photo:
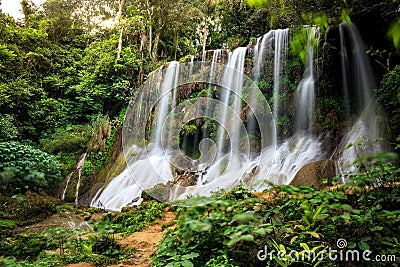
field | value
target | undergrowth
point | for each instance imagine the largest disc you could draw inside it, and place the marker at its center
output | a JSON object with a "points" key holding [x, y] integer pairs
{"points": [[58, 246], [304, 226]]}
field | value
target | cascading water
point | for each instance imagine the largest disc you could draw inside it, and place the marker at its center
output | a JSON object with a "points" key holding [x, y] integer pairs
{"points": [[78, 168], [306, 89], [357, 77], [360, 106], [124, 190], [170, 81], [260, 53], [232, 80], [222, 164], [280, 58], [216, 57], [276, 40]]}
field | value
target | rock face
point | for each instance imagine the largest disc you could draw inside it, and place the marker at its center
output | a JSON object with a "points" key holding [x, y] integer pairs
{"points": [[67, 219], [313, 173]]}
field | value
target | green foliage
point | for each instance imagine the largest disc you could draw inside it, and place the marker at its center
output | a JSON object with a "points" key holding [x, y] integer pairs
{"points": [[106, 245], [231, 230], [233, 24], [23, 166], [388, 96], [21, 210], [70, 139], [8, 128], [301, 39], [27, 246], [345, 16], [394, 33], [58, 246], [33, 249], [136, 219]]}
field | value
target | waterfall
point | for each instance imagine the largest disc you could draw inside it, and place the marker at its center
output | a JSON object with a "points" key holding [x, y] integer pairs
{"points": [[277, 40], [231, 81], [280, 58], [66, 185], [170, 81], [228, 105], [78, 168], [306, 89], [126, 188], [260, 54], [369, 123], [357, 76]]}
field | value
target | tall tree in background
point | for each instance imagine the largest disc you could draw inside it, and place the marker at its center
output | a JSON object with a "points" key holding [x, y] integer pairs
{"points": [[28, 8]]}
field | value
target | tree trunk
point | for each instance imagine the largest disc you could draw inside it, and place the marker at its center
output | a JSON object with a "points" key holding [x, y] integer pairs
{"points": [[156, 39], [119, 45], [142, 44], [176, 43], [150, 21], [118, 17], [205, 35]]}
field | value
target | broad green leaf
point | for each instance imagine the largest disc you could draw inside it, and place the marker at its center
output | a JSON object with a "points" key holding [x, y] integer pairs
{"points": [[248, 216], [187, 263], [364, 246]]}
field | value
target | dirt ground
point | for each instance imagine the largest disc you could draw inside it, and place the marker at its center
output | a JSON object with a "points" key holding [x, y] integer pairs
{"points": [[142, 244]]}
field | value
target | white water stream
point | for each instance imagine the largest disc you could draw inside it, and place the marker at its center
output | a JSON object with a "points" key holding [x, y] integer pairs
{"points": [[227, 161]]}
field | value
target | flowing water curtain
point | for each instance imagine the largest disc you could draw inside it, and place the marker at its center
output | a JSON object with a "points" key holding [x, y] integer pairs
{"points": [[305, 93], [151, 165], [154, 121], [368, 127]]}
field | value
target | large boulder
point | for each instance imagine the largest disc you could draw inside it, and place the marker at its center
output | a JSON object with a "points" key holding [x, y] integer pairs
{"points": [[313, 173]]}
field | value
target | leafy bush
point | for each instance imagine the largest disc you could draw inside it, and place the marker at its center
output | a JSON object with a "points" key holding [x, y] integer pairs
{"points": [[388, 96], [232, 230], [27, 246], [136, 219], [8, 130], [39, 249], [23, 166], [69, 139]]}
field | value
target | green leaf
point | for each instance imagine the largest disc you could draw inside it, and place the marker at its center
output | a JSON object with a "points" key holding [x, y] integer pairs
{"points": [[199, 226], [191, 255], [351, 245], [301, 227], [248, 216], [314, 234], [394, 33], [364, 246], [236, 239], [305, 246], [187, 263], [293, 239]]}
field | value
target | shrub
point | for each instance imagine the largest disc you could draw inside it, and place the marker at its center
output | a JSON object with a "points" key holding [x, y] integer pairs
{"points": [[232, 230], [388, 96], [23, 167]]}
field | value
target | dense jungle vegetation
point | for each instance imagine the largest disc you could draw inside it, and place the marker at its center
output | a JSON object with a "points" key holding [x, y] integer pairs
{"points": [[67, 73]]}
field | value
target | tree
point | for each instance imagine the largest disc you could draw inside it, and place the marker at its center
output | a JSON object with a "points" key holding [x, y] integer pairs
{"points": [[28, 8]]}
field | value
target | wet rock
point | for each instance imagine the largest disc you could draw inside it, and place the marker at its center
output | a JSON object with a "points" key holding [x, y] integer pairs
{"points": [[67, 220], [160, 192], [248, 177], [313, 173]]}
